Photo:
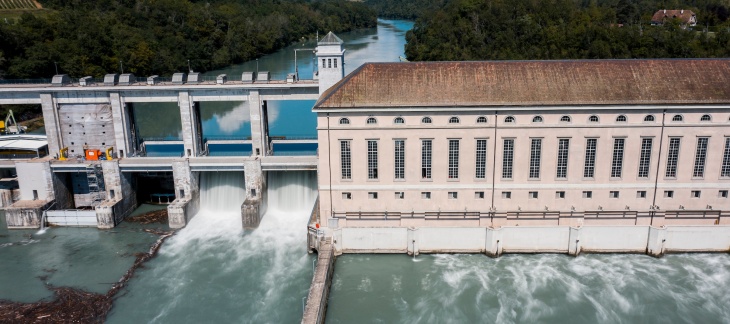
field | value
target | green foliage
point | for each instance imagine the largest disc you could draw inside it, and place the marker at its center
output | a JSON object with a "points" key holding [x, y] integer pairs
{"points": [[403, 9], [564, 29], [160, 36]]}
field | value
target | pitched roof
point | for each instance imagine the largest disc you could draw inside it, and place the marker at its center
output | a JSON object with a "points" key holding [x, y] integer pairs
{"points": [[330, 38], [532, 83], [683, 15]]}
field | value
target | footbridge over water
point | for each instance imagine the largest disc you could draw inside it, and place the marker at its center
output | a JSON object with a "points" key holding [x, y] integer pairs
{"points": [[82, 115]]}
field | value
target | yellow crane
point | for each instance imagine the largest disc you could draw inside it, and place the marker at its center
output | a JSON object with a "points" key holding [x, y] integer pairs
{"points": [[10, 126]]}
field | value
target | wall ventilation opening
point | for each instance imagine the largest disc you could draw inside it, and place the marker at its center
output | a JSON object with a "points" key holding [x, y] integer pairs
{"points": [[182, 193], [35, 194]]}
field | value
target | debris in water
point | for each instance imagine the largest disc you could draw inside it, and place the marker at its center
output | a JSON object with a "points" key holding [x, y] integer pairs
{"points": [[71, 305], [155, 216]]}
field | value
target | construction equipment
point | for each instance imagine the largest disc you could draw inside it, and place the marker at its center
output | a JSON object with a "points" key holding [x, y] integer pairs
{"points": [[63, 154], [92, 155], [10, 126], [109, 153]]}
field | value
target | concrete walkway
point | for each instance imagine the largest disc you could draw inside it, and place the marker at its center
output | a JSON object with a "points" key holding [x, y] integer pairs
{"points": [[319, 291]]}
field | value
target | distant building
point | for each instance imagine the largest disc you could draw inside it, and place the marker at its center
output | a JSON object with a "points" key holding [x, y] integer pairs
{"points": [[688, 17], [474, 143]]}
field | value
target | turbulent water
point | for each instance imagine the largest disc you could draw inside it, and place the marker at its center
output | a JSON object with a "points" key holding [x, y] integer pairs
{"points": [[689, 288], [213, 271]]}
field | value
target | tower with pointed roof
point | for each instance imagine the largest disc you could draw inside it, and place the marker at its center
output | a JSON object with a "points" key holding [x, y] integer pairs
{"points": [[331, 61]]}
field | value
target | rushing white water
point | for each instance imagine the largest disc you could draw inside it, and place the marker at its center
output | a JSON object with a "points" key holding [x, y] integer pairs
{"points": [[213, 271], [546, 288]]}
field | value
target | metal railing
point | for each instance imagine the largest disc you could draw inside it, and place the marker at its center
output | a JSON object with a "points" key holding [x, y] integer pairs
{"points": [[25, 81]]}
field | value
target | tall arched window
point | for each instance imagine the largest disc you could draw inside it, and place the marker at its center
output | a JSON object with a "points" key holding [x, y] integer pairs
{"points": [[426, 120], [454, 120], [344, 121], [621, 118], [372, 120], [649, 118], [677, 118], [509, 119], [705, 118], [593, 119], [399, 120], [565, 119], [537, 119], [482, 120]]}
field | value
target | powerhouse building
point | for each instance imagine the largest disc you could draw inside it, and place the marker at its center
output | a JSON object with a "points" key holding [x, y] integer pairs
{"points": [[526, 142]]}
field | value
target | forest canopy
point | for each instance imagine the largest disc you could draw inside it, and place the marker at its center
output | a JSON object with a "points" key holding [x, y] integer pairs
{"points": [[160, 36], [566, 29]]}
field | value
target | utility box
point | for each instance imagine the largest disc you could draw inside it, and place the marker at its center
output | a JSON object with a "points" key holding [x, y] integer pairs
{"points": [[263, 77], [290, 78], [127, 79], [60, 80], [248, 77], [194, 78], [221, 79], [93, 155], [152, 80], [86, 81], [111, 79], [178, 78]]}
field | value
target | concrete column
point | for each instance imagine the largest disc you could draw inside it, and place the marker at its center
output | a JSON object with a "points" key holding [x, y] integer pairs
{"points": [[258, 127], [657, 237], [493, 247], [574, 241], [413, 241], [40, 189], [124, 142], [189, 121], [50, 118], [252, 209], [187, 195], [121, 199]]}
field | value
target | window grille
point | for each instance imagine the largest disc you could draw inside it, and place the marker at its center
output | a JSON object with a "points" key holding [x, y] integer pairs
{"points": [[509, 119], [725, 172], [677, 118], [618, 158], [398, 120], [454, 120], [593, 119], [481, 163], [700, 157], [372, 120], [426, 120], [562, 168], [649, 118], [537, 119], [672, 157], [645, 158], [565, 119], [535, 154], [589, 168], [345, 160], [344, 121], [453, 159], [621, 118], [482, 120], [400, 159], [507, 158], [705, 118], [426, 159], [372, 159]]}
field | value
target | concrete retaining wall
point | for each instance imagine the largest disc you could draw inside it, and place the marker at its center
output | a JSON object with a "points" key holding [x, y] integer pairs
{"points": [[544, 239], [319, 290]]}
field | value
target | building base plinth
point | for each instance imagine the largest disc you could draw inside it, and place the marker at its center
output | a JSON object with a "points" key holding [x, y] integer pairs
{"points": [[26, 214]]}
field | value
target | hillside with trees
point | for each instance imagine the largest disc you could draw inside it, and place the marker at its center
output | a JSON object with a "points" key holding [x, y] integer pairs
{"points": [[566, 29], [160, 36]]}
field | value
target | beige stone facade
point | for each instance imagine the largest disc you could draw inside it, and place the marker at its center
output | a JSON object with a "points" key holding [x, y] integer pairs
{"points": [[627, 186]]}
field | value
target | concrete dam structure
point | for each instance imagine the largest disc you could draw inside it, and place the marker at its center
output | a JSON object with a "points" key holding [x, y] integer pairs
{"points": [[486, 157]]}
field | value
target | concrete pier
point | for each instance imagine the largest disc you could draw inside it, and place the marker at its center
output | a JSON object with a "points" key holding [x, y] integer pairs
{"points": [[253, 207], [187, 195], [40, 189], [319, 290], [120, 200]]}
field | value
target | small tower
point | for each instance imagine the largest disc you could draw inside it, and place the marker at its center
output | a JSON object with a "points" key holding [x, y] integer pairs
{"points": [[331, 61]]}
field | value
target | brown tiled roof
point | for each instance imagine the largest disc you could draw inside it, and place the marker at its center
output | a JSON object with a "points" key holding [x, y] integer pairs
{"points": [[530, 83], [684, 15]]}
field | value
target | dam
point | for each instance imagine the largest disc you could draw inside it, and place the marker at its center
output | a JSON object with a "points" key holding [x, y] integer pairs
{"points": [[213, 265]]}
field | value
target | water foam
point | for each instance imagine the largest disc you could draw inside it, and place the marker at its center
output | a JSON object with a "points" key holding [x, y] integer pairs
{"points": [[239, 276]]}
